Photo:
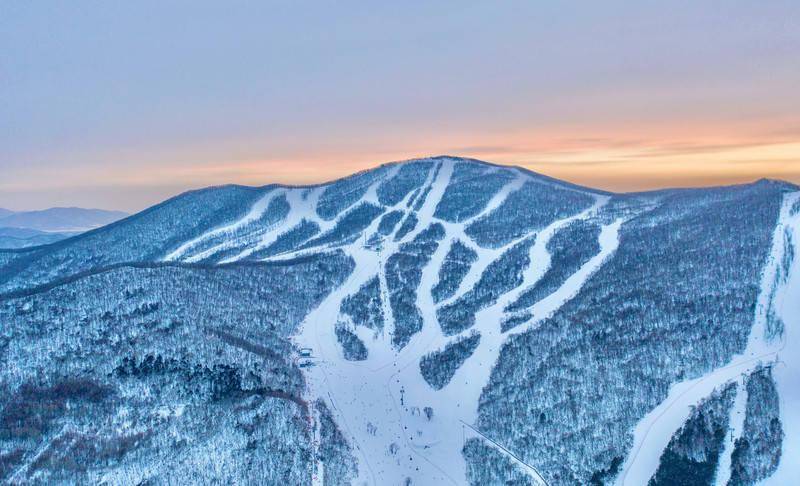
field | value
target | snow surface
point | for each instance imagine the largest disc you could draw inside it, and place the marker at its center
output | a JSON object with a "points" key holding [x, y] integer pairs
{"points": [[653, 432], [318, 476], [255, 212], [736, 425], [787, 370], [302, 206], [379, 403]]}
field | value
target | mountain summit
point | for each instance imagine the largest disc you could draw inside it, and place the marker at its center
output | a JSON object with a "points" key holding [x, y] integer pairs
{"points": [[438, 320]]}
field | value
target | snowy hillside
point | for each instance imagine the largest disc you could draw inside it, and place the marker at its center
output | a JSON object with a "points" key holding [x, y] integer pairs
{"points": [[435, 321]]}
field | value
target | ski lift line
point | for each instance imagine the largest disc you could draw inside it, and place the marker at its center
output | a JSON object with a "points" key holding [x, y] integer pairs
{"points": [[539, 476]]}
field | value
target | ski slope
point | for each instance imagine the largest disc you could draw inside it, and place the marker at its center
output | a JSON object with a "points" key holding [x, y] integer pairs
{"points": [[653, 432], [255, 212], [787, 369], [379, 403], [736, 424]]}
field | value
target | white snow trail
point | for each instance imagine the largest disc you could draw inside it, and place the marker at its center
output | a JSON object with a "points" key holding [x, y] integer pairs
{"points": [[438, 186], [309, 213], [353, 390], [318, 474], [735, 423], [786, 372], [541, 262], [380, 403], [457, 231], [654, 430], [258, 209], [457, 402], [609, 241], [302, 205]]}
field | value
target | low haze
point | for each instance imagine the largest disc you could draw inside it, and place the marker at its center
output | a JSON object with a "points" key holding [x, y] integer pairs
{"points": [[122, 105]]}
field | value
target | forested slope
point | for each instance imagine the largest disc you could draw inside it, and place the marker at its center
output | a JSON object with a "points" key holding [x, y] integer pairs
{"points": [[441, 320]]}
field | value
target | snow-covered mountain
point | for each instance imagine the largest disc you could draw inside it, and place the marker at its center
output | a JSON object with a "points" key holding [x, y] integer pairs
{"points": [[26, 237], [435, 321], [59, 219]]}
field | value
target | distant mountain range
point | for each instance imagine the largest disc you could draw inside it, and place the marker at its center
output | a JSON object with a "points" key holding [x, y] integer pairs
{"points": [[20, 229], [435, 321], [59, 219]]}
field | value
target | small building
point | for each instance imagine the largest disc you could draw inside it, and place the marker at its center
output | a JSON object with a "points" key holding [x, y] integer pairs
{"points": [[305, 352]]}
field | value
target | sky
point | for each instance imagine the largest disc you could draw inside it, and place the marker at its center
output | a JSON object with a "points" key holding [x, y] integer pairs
{"points": [[120, 105]]}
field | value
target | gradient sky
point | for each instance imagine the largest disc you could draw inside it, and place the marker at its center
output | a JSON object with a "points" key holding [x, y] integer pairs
{"points": [[122, 104]]}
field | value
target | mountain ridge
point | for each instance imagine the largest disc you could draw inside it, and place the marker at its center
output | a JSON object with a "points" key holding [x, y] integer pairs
{"points": [[434, 320], [200, 190]]}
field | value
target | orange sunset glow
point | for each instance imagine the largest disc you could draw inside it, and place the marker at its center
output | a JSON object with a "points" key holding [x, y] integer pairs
{"points": [[621, 98]]}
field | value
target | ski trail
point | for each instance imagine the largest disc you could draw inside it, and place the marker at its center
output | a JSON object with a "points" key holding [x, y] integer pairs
{"points": [[609, 241], [242, 240], [387, 356], [318, 333], [653, 432], [386, 308], [457, 231], [400, 427], [370, 196], [379, 344], [258, 209], [428, 207], [381, 353], [318, 473], [736, 424], [429, 179], [458, 401], [541, 262], [25, 466], [499, 198], [431, 331], [351, 389], [786, 372], [302, 204]]}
